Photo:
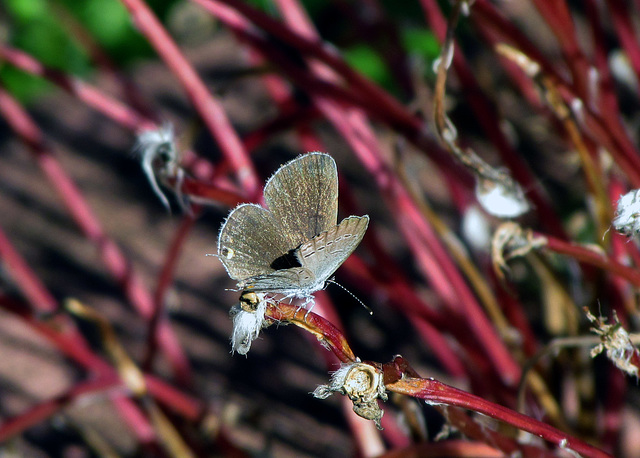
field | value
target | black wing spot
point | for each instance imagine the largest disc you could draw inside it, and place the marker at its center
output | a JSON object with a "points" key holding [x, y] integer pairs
{"points": [[286, 261]]}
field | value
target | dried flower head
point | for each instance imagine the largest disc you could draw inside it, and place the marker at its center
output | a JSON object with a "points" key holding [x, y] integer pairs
{"points": [[158, 155], [617, 343], [627, 220], [363, 384], [248, 320]]}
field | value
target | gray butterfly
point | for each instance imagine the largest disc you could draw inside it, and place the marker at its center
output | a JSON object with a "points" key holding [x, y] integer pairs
{"points": [[295, 246]]}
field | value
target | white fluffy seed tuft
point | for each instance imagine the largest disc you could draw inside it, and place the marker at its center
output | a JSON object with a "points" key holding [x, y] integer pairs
{"points": [[247, 325], [627, 220]]}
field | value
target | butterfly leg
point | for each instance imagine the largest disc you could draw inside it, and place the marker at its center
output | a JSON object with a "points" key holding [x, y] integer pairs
{"points": [[308, 300]]}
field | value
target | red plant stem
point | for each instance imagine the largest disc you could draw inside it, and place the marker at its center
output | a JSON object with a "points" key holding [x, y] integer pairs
{"points": [[427, 322], [591, 257], [113, 258], [207, 191], [487, 118], [207, 106], [64, 336], [93, 97], [139, 422], [16, 425], [186, 406], [66, 339], [397, 369], [158, 317], [607, 97], [437, 393], [30, 284], [356, 131], [560, 22], [623, 27], [518, 318], [614, 407], [108, 106], [315, 324], [603, 126]]}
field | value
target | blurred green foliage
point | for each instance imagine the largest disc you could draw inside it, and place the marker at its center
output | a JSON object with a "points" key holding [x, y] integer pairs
{"points": [[59, 33], [368, 61], [56, 33]]}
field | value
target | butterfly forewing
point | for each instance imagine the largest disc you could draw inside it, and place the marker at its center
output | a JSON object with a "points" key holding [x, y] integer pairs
{"points": [[323, 254], [303, 196], [250, 240]]}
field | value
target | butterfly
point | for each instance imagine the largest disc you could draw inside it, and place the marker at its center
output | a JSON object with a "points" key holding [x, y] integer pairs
{"points": [[295, 245]]}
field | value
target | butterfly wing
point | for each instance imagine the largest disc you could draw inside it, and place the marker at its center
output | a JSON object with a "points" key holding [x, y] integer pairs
{"points": [[295, 281], [323, 254], [303, 196], [250, 240]]}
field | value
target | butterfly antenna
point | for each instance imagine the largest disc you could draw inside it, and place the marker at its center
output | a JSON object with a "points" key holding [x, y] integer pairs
{"points": [[352, 295]]}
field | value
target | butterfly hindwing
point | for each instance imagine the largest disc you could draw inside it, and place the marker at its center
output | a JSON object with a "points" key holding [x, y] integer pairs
{"points": [[323, 254], [285, 281]]}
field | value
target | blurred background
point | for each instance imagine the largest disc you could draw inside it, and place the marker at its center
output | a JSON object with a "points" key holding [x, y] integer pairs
{"points": [[261, 404]]}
